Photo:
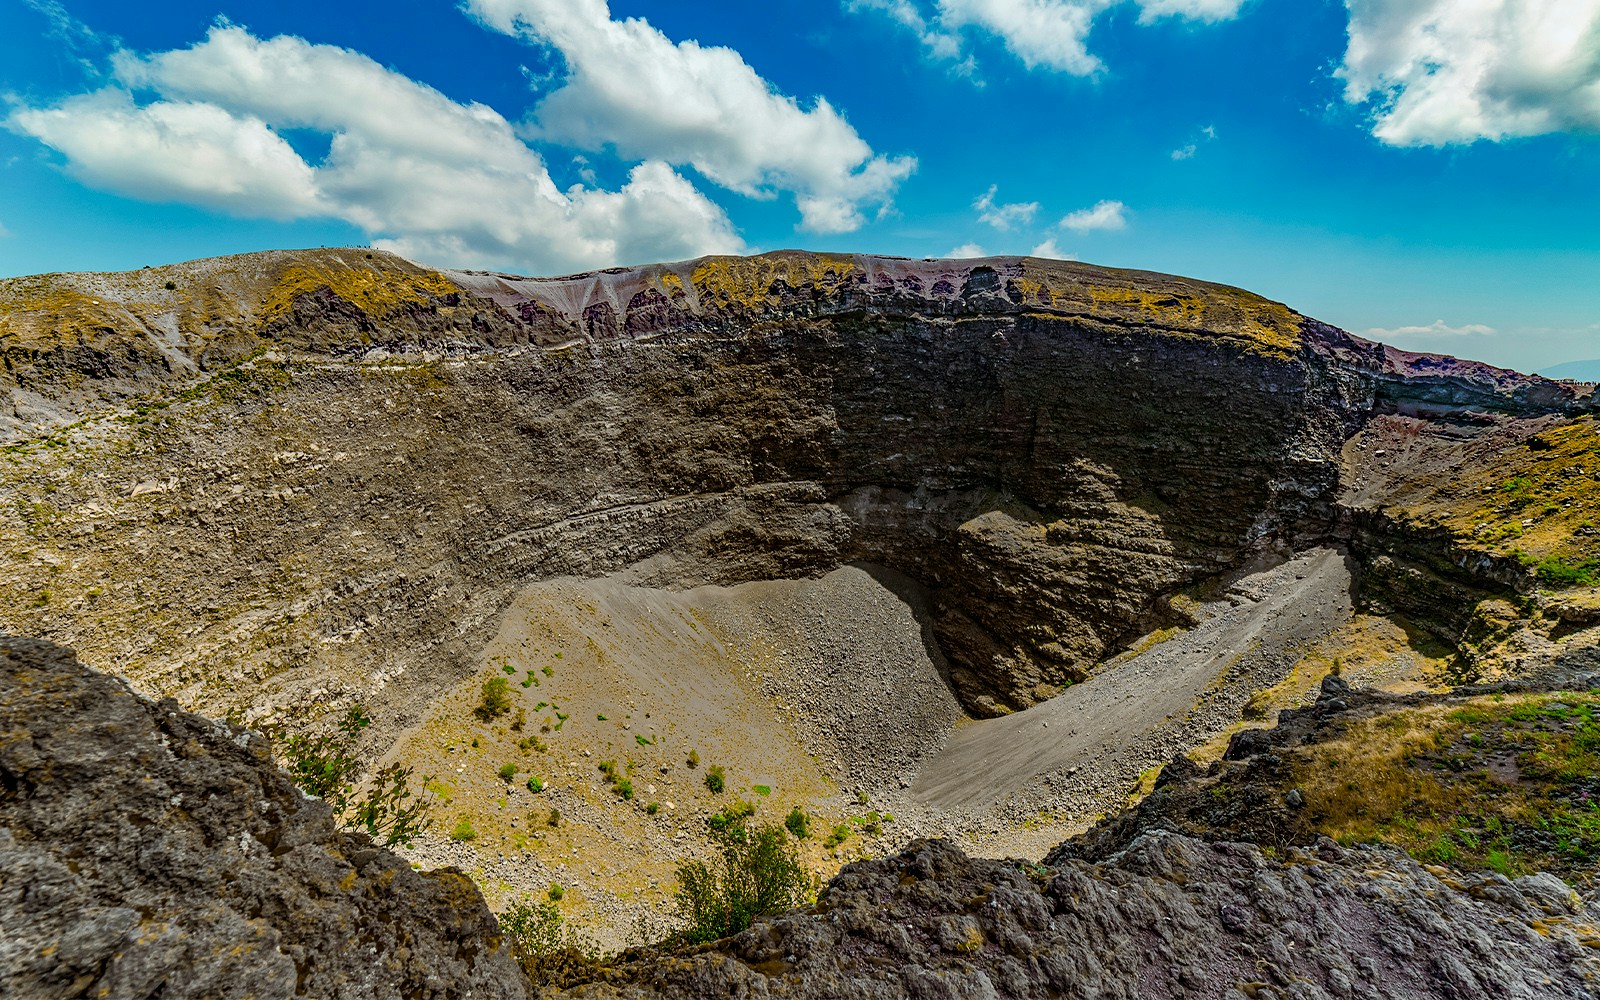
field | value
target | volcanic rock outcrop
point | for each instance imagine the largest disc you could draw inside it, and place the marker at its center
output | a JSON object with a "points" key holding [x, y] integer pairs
{"points": [[338, 458], [148, 852]]}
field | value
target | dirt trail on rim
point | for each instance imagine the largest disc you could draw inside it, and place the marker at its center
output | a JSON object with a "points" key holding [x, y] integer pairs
{"points": [[1265, 619]]}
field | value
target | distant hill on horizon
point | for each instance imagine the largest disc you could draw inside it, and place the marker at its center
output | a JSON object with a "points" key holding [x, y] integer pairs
{"points": [[1579, 371]]}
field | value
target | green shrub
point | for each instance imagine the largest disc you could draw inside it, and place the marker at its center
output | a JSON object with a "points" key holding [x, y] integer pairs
{"points": [[534, 928], [694, 759], [391, 813], [535, 785], [653, 808], [624, 788], [1554, 571], [798, 823], [496, 699], [840, 834], [755, 873], [556, 892], [555, 817], [732, 817], [716, 780], [508, 772], [762, 790], [548, 949], [463, 831], [325, 765]]}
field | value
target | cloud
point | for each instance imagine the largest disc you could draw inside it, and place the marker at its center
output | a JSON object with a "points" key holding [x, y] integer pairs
{"points": [[1438, 328], [1207, 133], [940, 44], [965, 251], [1049, 249], [1044, 34], [1052, 34], [1105, 215], [4, 232], [194, 153], [77, 39], [1207, 11], [419, 173], [1003, 217], [630, 88], [1437, 72]]}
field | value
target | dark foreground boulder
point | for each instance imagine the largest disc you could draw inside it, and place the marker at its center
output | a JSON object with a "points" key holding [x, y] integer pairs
{"points": [[1169, 917], [147, 852]]}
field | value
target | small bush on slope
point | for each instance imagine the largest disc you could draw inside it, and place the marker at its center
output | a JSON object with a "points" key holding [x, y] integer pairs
{"points": [[325, 765], [757, 872]]}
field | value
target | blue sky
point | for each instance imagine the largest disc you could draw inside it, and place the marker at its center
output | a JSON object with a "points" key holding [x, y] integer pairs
{"points": [[1423, 171]]}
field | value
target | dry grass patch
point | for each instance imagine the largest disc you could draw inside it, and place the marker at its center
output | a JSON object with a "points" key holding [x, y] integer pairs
{"points": [[1505, 782]]}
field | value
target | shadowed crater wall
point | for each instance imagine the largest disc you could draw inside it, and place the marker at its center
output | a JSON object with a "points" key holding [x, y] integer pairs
{"points": [[339, 459]]}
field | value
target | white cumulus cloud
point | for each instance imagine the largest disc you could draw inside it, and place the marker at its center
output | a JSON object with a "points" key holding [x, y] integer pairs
{"points": [[1003, 217], [432, 178], [1438, 328], [1049, 249], [630, 88], [185, 151], [1208, 11], [1438, 72], [1105, 215], [966, 251], [1044, 34]]}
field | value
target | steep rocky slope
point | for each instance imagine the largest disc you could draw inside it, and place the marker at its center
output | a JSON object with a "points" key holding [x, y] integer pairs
{"points": [[147, 852], [342, 460]]}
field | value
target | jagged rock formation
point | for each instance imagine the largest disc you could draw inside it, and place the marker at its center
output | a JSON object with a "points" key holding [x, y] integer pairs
{"points": [[1169, 917], [1051, 447], [147, 852]]}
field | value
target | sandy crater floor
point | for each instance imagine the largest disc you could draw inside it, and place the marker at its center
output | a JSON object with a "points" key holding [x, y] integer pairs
{"points": [[825, 695]]}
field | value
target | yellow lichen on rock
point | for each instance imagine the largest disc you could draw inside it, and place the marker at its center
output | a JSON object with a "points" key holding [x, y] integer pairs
{"points": [[42, 313], [376, 291], [1222, 311], [747, 281]]}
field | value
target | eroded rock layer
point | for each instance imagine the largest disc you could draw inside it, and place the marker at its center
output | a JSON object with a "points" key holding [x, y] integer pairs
{"points": [[339, 459]]}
